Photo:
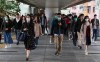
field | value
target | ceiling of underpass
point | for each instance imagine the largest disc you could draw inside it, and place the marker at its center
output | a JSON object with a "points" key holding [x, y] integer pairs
{"points": [[53, 3]]}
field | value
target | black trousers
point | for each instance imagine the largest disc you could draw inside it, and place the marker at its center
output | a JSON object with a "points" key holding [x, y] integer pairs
{"points": [[74, 38], [43, 29]]}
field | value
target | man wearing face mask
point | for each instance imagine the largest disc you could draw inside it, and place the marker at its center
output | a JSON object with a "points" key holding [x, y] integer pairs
{"points": [[95, 27], [17, 23], [74, 30], [58, 31]]}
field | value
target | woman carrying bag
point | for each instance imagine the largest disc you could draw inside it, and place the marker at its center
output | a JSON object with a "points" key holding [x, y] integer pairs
{"points": [[28, 29]]}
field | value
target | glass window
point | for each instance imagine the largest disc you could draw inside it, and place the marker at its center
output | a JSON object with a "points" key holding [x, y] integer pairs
{"points": [[94, 9], [88, 9]]}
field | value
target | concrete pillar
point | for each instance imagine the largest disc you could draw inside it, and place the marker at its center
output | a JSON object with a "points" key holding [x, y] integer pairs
{"points": [[49, 12], [35, 10], [51, 7], [32, 10]]}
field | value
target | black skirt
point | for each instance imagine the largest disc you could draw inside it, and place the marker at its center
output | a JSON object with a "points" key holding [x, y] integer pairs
{"points": [[88, 40], [29, 43], [88, 36]]}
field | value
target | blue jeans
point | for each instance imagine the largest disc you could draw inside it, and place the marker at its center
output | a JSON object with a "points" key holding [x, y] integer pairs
{"points": [[98, 32], [8, 38], [17, 32], [95, 32], [36, 40]]}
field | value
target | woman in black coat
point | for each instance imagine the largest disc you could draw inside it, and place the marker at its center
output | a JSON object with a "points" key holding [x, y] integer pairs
{"points": [[7, 25], [28, 29]]}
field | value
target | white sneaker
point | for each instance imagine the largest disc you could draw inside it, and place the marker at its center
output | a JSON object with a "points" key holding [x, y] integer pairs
{"points": [[95, 42], [86, 53], [6, 47], [92, 40]]}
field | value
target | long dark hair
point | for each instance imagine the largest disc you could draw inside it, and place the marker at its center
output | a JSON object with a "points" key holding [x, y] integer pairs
{"points": [[86, 18], [38, 20], [8, 17], [80, 16]]}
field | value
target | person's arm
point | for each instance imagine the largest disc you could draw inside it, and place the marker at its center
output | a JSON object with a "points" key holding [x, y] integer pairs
{"points": [[92, 22], [13, 24], [77, 26], [52, 27]]}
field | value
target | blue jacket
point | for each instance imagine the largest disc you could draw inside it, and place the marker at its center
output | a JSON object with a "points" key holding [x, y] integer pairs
{"points": [[56, 29]]}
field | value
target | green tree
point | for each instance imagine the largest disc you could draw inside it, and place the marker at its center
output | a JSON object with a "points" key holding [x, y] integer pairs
{"points": [[9, 6]]}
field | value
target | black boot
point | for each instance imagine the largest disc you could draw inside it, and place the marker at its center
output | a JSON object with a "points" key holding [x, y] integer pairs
{"points": [[18, 43], [27, 59]]}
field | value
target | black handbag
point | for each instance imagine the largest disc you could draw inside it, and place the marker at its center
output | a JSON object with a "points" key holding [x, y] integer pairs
{"points": [[22, 36], [0, 36]]}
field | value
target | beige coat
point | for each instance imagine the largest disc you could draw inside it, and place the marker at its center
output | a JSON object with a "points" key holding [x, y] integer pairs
{"points": [[37, 29], [84, 32]]}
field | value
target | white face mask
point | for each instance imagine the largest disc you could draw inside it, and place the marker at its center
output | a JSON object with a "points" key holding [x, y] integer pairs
{"points": [[28, 19], [59, 18], [87, 20]]}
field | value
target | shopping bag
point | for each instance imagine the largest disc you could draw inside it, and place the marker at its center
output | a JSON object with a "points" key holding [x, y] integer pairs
{"points": [[46, 31], [51, 39], [2, 45]]}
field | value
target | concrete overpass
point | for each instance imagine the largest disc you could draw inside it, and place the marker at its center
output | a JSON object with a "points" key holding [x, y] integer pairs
{"points": [[53, 6]]}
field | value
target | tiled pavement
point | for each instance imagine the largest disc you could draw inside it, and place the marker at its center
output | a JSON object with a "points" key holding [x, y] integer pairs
{"points": [[45, 53]]}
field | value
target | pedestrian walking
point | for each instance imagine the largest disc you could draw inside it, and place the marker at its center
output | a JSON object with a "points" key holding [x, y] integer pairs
{"points": [[95, 27], [79, 31], [28, 29], [58, 31], [87, 26], [17, 23], [37, 29], [7, 25]]}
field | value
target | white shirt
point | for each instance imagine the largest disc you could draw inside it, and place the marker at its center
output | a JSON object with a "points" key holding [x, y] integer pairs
{"points": [[95, 26], [17, 20]]}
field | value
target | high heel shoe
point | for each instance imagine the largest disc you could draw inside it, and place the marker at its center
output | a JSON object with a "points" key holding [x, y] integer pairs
{"points": [[27, 59]]}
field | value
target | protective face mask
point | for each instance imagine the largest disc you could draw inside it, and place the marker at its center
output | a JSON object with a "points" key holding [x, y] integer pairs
{"points": [[6, 19], [75, 19], [56, 17], [59, 19], [87, 20]]}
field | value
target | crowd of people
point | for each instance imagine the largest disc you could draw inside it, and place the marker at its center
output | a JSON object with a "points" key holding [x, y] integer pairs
{"points": [[80, 29], [27, 28]]}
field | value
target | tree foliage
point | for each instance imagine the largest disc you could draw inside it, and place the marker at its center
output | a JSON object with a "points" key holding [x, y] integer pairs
{"points": [[9, 6]]}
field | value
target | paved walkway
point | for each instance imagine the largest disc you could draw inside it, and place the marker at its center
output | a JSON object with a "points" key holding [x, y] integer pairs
{"points": [[45, 53]]}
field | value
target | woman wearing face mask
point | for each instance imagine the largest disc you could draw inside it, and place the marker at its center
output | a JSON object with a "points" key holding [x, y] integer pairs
{"points": [[28, 29], [37, 29], [7, 25], [86, 33]]}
